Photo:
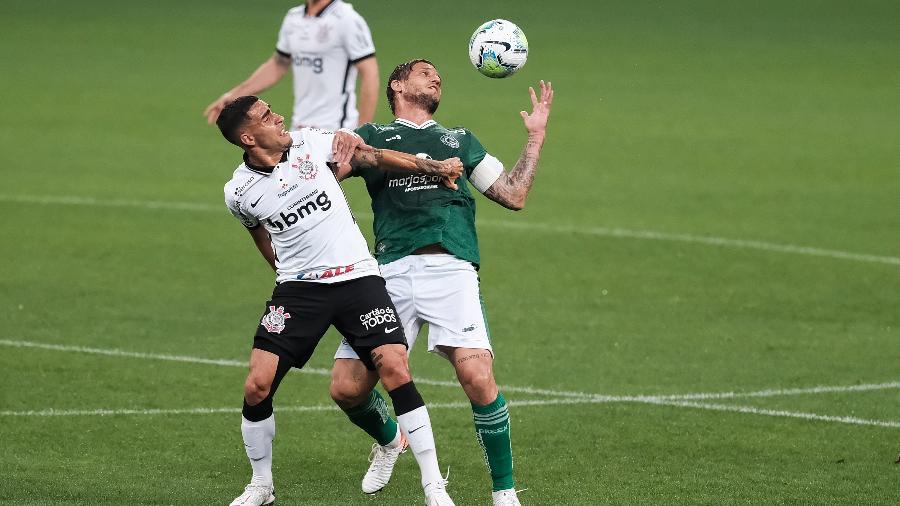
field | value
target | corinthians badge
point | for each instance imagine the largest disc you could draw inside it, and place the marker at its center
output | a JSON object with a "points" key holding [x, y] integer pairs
{"points": [[306, 167], [274, 320]]}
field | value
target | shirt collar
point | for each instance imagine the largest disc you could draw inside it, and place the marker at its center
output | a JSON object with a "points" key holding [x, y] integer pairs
{"points": [[321, 12], [264, 169], [411, 124]]}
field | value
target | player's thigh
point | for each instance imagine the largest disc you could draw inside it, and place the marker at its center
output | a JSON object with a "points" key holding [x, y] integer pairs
{"points": [[263, 365], [448, 297], [475, 371], [398, 276], [294, 321], [366, 317]]}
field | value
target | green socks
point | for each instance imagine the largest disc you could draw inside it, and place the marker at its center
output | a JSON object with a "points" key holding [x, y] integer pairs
{"points": [[492, 431], [372, 416]]}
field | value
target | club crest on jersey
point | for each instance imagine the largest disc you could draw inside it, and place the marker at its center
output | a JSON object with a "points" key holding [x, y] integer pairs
{"points": [[274, 320], [449, 140], [305, 167], [323, 33]]}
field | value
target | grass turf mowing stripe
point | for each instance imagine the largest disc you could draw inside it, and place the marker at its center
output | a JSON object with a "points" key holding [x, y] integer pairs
{"points": [[501, 224]]}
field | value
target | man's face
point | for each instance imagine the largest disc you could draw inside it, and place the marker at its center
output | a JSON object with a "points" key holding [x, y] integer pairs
{"points": [[423, 86], [264, 128]]}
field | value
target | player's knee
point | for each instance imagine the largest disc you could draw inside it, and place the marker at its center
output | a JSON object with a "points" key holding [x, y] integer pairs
{"points": [[347, 394], [479, 385], [256, 390], [394, 373]]}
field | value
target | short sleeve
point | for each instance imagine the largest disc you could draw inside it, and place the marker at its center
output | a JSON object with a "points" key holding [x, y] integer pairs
{"points": [[365, 131], [482, 169], [245, 219], [319, 143], [472, 154], [283, 44], [358, 38]]}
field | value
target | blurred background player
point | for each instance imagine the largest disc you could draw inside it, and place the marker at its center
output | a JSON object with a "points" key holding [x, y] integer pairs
{"points": [[328, 45], [284, 192], [426, 243]]}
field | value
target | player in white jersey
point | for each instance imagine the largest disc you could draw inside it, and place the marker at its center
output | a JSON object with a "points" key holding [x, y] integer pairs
{"points": [[287, 196], [328, 45]]}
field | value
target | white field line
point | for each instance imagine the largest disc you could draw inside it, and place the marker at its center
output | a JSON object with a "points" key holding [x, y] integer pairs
{"points": [[780, 413], [562, 397], [458, 405], [502, 224], [822, 389], [192, 411], [575, 396]]}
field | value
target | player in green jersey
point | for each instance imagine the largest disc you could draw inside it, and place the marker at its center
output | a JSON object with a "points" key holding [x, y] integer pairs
{"points": [[426, 243]]}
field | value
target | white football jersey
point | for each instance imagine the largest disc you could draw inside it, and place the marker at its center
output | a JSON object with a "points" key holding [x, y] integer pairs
{"points": [[303, 208], [324, 50]]}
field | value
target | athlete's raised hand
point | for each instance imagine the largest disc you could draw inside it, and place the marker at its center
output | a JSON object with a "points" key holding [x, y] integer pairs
{"points": [[536, 122], [450, 169], [212, 110]]}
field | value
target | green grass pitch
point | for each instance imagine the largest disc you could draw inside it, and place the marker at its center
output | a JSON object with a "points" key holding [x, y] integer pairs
{"points": [[717, 210]]}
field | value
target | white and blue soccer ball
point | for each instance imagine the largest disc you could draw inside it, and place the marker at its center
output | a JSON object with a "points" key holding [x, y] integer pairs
{"points": [[498, 48]]}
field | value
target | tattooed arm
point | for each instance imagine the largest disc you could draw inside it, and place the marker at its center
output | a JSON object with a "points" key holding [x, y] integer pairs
{"points": [[390, 160], [511, 188]]}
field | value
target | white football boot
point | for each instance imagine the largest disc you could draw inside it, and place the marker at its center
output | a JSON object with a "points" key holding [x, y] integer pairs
{"points": [[436, 494], [506, 498], [382, 461], [255, 495]]}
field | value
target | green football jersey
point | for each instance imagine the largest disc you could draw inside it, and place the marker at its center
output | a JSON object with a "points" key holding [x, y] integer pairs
{"points": [[413, 210]]}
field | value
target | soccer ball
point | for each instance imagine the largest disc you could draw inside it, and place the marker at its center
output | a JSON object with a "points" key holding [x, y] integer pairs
{"points": [[498, 48]]}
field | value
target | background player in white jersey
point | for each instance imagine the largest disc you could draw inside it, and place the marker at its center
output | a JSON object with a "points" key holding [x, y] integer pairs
{"points": [[425, 240], [328, 44], [288, 198]]}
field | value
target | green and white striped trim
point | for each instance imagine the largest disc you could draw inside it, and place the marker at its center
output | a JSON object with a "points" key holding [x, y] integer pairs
{"points": [[492, 418]]}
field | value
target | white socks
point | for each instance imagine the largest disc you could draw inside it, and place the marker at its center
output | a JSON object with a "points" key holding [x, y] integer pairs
{"points": [[417, 426], [258, 438]]}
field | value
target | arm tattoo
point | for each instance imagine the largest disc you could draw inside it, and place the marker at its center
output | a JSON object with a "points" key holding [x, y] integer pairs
{"points": [[512, 187], [428, 166], [366, 158]]}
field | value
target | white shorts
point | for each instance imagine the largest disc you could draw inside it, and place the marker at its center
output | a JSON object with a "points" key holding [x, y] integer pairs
{"points": [[440, 290]]}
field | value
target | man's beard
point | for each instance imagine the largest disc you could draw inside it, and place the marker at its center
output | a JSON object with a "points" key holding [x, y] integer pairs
{"points": [[425, 101]]}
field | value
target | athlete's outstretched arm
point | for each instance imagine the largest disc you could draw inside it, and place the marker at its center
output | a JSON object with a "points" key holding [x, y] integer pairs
{"points": [[368, 89], [267, 75], [511, 188], [263, 244], [389, 160]]}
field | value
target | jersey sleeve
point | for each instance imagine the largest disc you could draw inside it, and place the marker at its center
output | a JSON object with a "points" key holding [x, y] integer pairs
{"points": [[319, 143], [283, 44], [357, 38], [246, 220], [482, 169]]}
